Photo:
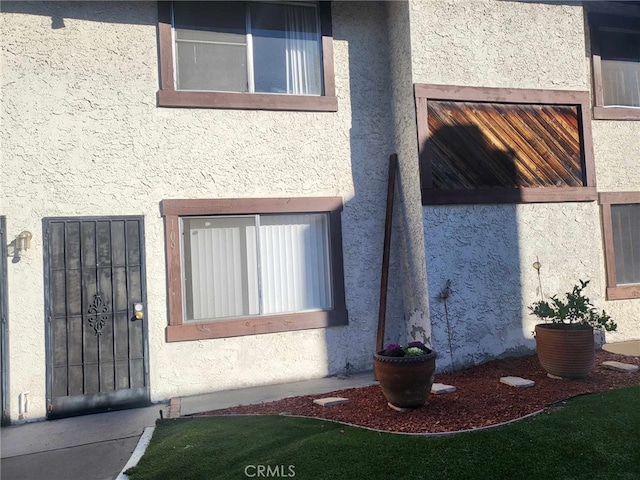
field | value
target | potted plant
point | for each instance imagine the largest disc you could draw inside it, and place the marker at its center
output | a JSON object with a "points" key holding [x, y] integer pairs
{"points": [[405, 373], [565, 344]]}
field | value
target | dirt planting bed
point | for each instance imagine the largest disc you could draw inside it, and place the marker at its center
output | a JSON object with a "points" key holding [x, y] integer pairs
{"points": [[480, 400]]}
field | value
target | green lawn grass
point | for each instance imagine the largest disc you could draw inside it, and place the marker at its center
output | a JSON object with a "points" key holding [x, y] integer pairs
{"points": [[592, 437]]}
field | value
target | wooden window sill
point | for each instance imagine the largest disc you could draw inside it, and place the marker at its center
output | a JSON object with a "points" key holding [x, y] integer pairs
{"points": [[247, 101], [623, 292], [255, 325], [509, 195], [616, 113]]}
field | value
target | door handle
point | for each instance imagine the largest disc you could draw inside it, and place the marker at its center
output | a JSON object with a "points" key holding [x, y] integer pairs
{"points": [[138, 310]]}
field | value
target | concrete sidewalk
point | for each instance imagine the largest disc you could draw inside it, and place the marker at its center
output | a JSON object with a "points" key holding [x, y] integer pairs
{"points": [[89, 447], [267, 393], [97, 447]]}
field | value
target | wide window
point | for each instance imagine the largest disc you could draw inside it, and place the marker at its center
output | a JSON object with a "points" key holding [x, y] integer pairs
{"points": [[615, 50], [246, 55], [621, 227], [255, 265], [276, 267], [495, 145]]}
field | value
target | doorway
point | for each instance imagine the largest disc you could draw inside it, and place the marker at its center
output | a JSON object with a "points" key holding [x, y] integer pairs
{"points": [[97, 350]]}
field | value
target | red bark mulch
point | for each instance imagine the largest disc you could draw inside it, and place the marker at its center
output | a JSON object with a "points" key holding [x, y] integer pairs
{"points": [[480, 400]]}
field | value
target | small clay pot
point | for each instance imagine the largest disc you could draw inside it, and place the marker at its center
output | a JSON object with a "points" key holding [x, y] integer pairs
{"points": [[405, 381]]}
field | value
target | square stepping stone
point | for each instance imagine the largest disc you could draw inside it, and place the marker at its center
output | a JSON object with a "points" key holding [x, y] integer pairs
{"points": [[441, 389], [518, 382], [621, 367], [330, 401]]}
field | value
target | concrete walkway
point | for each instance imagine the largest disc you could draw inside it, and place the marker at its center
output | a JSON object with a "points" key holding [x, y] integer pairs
{"points": [[268, 393], [630, 348], [89, 447], [97, 447]]}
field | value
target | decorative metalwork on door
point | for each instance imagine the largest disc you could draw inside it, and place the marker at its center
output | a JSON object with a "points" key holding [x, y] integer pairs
{"points": [[97, 347], [98, 313]]}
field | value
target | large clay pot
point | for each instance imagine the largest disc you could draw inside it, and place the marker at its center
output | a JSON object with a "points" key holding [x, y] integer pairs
{"points": [[405, 381], [566, 351]]}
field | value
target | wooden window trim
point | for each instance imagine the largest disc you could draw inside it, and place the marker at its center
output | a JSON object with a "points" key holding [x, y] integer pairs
{"points": [[168, 96], [600, 111], [430, 196], [606, 200], [178, 330]]}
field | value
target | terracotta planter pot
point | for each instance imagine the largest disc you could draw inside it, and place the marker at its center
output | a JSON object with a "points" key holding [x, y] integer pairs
{"points": [[405, 381], [567, 351]]}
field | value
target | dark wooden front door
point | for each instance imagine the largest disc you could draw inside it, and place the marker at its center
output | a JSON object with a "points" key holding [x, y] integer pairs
{"points": [[97, 349], [4, 357]]}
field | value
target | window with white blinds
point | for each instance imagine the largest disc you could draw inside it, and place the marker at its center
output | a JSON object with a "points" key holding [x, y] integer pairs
{"points": [[615, 61], [625, 221], [621, 234], [245, 265], [620, 57]]}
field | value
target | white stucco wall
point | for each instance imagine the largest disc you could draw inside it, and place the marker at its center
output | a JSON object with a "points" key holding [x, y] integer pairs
{"points": [[408, 236], [498, 43], [82, 135], [487, 251]]}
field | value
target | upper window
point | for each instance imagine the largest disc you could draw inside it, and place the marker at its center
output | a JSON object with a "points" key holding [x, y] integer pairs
{"points": [[621, 232], [493, 145], [246, 55], [615, 51], [239, 267]]}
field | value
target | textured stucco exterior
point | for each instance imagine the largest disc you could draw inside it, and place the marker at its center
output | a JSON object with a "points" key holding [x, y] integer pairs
{"points": [[407, 211], [487, 252], [82, 135], [498, 44]]}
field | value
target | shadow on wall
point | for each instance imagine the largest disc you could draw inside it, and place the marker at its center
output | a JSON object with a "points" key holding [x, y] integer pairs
{"points": [[463, 158], [473, 252], [108, 12], [361, 28]]}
